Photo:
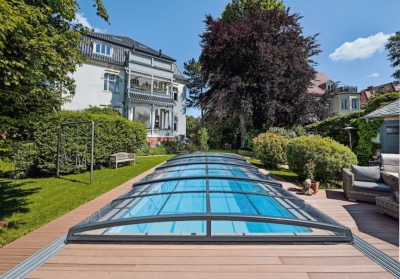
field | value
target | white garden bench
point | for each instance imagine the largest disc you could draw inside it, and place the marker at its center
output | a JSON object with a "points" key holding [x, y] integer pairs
{"points": [[122, 157]]}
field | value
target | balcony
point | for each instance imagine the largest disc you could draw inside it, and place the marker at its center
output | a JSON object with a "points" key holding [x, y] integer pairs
{"points": [[156, 97]]}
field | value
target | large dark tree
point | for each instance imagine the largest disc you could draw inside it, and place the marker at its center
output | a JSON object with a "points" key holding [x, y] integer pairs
{"points": [[39, 49], [393, 47], [259, 68]]}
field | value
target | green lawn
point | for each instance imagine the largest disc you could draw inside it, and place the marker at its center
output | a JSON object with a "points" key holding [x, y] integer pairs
{"points": [[28, 204]]}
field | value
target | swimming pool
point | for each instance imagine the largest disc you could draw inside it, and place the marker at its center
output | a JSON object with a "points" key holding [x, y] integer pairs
{"points": [[208, 197]]}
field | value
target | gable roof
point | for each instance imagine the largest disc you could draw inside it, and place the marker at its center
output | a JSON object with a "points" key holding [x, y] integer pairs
{"points": [[316, 84], [177, 73], [121, 43], [390, 110]]}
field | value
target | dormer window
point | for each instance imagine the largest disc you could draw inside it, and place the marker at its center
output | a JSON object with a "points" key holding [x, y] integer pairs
{"points": [[103, 49]]}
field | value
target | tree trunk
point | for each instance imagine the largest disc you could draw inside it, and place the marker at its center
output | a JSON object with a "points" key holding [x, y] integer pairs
{"points": [[243, 130]]}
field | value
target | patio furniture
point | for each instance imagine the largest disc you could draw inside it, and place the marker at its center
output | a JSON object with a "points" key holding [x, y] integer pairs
{"points": [[122, 157], [391, 163], [388, 205], [367, 183]]}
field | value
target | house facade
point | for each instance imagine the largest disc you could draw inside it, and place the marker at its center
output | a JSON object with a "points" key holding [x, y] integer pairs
{"points": [[143, 84], [345, 99]]}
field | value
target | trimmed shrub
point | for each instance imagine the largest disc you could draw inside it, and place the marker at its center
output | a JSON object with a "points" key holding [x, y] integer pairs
{"points": [[270, 149], [327, 157]]}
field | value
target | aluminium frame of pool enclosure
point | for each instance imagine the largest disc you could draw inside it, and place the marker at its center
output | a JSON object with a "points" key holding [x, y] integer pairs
{"points": [[247, 189]]}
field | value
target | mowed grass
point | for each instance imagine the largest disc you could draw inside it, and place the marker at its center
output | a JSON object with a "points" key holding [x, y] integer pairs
{"points": [[28, 204]]}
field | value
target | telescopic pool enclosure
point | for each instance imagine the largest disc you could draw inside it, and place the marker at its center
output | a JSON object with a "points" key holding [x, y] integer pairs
{"points": [[208, 198]]}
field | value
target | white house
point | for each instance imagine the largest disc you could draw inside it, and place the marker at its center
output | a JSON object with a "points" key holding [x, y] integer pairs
{"points": [[141, 83]]}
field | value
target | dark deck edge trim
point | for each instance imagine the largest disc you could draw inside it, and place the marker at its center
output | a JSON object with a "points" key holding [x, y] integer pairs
{"points": [[36, 260], [377, 256]]}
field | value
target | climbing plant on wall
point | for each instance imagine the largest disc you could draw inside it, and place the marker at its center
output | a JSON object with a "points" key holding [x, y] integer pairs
{"points": [[366, 132]]}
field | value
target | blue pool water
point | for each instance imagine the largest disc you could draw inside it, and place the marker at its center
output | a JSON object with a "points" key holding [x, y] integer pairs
{"points": [[238, 198]]}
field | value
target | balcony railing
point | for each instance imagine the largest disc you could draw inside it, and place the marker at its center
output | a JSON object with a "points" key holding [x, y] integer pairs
{"points": [[347, 89], [146, 95], [161, 133]]}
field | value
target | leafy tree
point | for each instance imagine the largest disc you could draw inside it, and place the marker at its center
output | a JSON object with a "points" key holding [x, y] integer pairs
{"points": [[38, 52], [393, 46], [243, 8], [192, 127], [259, 68], [196, 84], [203, 138]]}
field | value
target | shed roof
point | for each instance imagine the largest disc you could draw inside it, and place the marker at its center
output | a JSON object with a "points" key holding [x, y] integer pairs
{"points": [[390, 110]]}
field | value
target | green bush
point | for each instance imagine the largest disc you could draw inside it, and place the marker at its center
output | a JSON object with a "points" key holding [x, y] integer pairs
{"points": [[326, 156], [289, 133], [24, 158], [113, 133], [380, 100], [270, 149], [333, 127]]}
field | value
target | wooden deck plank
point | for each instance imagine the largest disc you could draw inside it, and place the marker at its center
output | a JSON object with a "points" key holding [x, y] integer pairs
{"points": [[165, 275]]}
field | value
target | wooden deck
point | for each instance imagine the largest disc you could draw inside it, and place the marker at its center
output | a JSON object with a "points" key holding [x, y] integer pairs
{"points": [[214, 261]]}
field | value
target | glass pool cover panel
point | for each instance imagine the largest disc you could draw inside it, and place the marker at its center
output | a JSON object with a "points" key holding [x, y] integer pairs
{"points": [[208, 197]]}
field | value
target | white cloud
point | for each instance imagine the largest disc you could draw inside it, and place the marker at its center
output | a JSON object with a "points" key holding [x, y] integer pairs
{"points": [[373, 75], [82, 19], [361, 48]]}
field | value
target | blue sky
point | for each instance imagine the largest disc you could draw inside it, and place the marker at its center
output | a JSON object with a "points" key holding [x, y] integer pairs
{"points": [[352, 32]]}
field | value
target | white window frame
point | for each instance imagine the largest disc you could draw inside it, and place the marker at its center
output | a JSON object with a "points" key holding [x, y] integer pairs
{"points": [[343, 104], [107, 81], [103, 49], [357, 103]]}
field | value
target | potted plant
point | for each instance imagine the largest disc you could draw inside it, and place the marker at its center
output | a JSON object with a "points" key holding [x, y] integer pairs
{"points": [[310, 173]]}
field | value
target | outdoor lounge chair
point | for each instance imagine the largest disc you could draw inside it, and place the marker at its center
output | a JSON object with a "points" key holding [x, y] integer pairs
{"points": [[367, 183], [388, 205]]}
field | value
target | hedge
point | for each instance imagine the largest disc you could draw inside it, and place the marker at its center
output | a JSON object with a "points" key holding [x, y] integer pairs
{"points": [[113, 133], [326, 157]]}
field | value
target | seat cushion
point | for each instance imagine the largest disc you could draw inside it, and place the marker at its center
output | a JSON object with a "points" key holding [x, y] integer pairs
{"points": [[369, 174], [371, 186]]}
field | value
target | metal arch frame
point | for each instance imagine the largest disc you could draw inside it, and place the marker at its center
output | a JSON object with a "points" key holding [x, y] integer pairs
{"points": [[246, 165], [204, 192], [238, 158], [165, 179], [73, 238], [246, 169]]}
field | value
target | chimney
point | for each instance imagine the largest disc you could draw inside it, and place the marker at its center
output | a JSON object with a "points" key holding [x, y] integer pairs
{"points": [[159, 53]]}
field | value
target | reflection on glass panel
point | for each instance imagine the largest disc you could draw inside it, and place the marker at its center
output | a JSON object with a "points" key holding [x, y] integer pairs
{"points": [[223, 185], [248, 228], [268, 206], [248, 186], [161, 228], [190, 203], [146, 206], [231, 204], [191, 185]]}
